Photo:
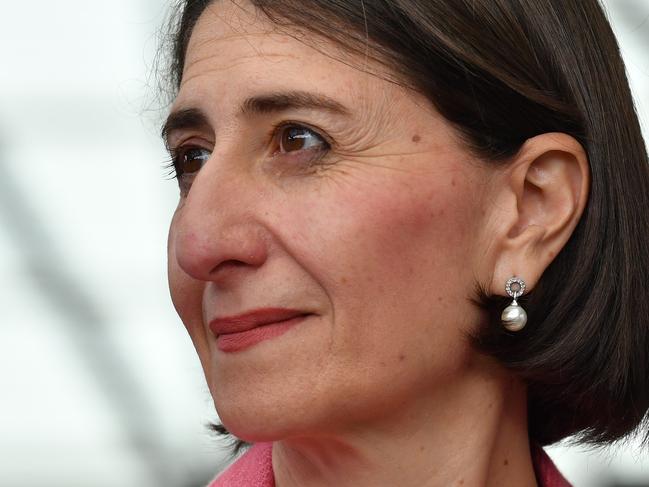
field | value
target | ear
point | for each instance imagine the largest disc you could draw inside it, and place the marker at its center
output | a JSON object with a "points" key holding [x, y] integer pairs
{"points": [[539, 198]]}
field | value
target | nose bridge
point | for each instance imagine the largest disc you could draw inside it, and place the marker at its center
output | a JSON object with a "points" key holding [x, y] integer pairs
{"points": [[216, 228]]}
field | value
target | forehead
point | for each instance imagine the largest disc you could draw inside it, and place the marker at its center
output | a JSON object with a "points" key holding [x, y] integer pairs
{"points": [[234, 49]]}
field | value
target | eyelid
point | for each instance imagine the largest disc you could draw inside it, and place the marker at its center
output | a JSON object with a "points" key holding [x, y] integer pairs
{"points": [[189, 142], [174, 145]]}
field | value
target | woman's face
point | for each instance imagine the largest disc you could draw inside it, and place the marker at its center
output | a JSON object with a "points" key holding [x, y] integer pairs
{"points": [[313, 186]]}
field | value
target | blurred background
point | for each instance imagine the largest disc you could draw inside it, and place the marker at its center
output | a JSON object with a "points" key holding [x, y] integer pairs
{"points": [[99, 382]]}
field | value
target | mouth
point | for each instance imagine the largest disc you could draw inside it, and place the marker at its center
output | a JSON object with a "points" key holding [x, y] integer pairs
{"points": [[236, 333]]}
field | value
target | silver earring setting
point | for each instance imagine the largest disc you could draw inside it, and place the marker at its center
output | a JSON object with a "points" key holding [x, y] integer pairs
{"points": [[514, 316]]}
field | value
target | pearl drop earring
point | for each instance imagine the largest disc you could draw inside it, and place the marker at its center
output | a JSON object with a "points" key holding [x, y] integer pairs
{"points": [[514, 317]]}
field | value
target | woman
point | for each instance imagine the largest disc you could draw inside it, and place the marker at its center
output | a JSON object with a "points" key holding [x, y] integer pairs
{"points": [[409, 246]]}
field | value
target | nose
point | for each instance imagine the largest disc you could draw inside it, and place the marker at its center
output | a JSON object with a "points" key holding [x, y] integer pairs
{"points": [[215, 233]]}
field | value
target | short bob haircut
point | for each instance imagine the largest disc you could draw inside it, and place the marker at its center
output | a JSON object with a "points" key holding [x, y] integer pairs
{"points": [[501, 72]]}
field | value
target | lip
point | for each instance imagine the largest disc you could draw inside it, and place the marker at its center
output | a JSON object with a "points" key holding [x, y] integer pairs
{"points": [[235, 333]]}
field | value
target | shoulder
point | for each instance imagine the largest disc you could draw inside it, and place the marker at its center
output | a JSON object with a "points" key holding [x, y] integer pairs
{"points": [[252, 469]]}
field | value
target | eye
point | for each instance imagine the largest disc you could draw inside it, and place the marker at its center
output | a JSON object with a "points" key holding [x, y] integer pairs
{"points": [[295, 137], [298, 138], [186, 162], [189, 160]]}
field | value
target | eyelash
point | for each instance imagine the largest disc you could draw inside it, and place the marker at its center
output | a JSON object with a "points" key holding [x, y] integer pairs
{"points": [[177, 153]]}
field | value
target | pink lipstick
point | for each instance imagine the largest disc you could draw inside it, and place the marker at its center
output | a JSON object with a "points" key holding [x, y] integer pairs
{"points": [[236, 333]]}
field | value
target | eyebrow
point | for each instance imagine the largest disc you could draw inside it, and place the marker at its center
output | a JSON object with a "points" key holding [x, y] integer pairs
{"points": [[188, 118], [191, 118], [281, 101]]}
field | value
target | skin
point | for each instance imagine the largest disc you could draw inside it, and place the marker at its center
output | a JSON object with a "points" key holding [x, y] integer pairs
{"points": [[382, 237]]}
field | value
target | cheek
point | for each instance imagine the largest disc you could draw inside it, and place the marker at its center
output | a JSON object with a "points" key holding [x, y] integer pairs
{"points": [[186, 295], [403, 222], [394, 229], [413, 246], [392, 254]]}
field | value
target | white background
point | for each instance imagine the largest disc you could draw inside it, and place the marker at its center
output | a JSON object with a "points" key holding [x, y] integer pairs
{"points": [[99, 383]]}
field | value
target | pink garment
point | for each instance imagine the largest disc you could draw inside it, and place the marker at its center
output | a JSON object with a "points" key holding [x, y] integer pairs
{"points": [[547, 474], [252, 469], [255, 469]]}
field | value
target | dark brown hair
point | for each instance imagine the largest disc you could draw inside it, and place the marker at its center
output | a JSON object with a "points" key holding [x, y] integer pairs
{"points": [[503, 71]]}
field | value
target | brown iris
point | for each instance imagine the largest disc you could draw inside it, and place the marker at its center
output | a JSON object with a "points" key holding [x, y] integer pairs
{"points": [[193, 159], [296, 138]]}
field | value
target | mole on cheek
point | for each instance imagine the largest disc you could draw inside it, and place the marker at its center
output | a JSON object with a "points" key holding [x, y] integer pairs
{"points": [[416, 138]]}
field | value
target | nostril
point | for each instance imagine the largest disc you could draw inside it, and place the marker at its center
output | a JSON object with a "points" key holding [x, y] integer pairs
{"points": [[227, 267]]}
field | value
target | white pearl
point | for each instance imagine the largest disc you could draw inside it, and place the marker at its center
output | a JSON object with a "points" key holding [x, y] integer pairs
{"points": [[514, 317]]}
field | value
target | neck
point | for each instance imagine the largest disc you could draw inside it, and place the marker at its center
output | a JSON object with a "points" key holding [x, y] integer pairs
{"points": [[471, 432]]}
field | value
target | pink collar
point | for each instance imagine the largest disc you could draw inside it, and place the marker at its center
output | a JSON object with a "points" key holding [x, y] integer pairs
{"points": [[255, 469], [252, 469], [547, 474]]}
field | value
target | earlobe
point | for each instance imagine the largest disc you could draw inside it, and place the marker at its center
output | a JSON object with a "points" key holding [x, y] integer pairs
{"points": [[544, 192]]}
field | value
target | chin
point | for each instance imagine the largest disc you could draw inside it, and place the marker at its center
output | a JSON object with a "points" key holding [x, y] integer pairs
{"points": [[245, 410], [252, 423], [255, 416]]}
